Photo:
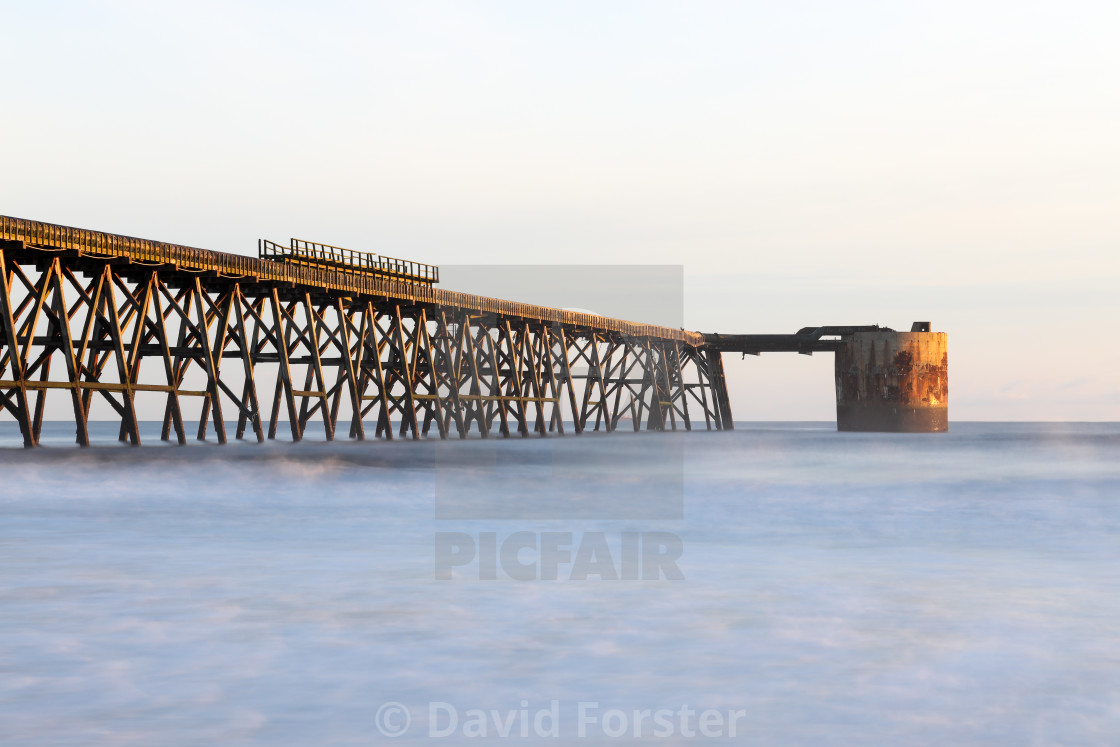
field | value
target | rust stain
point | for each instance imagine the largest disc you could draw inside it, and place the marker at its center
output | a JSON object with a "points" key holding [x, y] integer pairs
{"points": [[897, 369]]}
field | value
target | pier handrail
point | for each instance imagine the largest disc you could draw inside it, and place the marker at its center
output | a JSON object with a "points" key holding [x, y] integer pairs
{"points": [[98, 244]]}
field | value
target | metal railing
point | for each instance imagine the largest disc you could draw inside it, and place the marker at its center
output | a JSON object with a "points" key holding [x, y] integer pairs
{"points": [[315, 254], [51, 237]]}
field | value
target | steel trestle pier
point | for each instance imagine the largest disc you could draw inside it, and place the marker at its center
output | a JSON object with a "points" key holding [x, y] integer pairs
{"points": [[298, 337]]}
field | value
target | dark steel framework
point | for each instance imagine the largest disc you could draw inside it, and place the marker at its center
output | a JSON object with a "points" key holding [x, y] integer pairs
{"points": [[105, 318], [313, 254]]}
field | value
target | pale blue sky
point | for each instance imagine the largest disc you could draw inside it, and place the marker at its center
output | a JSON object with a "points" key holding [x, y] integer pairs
{"points": [[807, 162]]}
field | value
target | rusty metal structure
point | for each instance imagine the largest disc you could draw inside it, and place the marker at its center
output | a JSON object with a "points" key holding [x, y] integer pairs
{"points": [[886, 381], [314, 332], [309, 333], [893, 381]]}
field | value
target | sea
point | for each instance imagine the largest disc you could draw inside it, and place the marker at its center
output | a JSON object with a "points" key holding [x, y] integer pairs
{"points": [[779, 584]]}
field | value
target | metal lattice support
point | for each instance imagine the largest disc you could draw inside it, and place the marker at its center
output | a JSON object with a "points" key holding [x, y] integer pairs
{"points": [[132, 335]]}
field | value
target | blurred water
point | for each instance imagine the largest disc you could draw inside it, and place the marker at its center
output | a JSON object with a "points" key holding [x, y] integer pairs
{"points": [[839, 588]]}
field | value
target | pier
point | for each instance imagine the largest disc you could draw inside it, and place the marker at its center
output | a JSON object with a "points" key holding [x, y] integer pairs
{"points": [[308, 333]]}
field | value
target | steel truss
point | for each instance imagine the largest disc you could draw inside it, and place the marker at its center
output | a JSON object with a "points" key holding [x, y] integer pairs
{"points": [[265, 353]]}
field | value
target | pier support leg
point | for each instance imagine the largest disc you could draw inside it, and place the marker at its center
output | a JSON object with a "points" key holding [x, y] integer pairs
{"points": [[719, 390]]}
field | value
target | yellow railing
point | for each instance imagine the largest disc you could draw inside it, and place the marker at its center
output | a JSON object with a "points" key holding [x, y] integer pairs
{"points": [[52, 237], [314, 254]]}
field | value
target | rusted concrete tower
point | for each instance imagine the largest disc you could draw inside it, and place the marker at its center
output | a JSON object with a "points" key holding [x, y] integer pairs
{"points": [[885, 380], [893, 381]]}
